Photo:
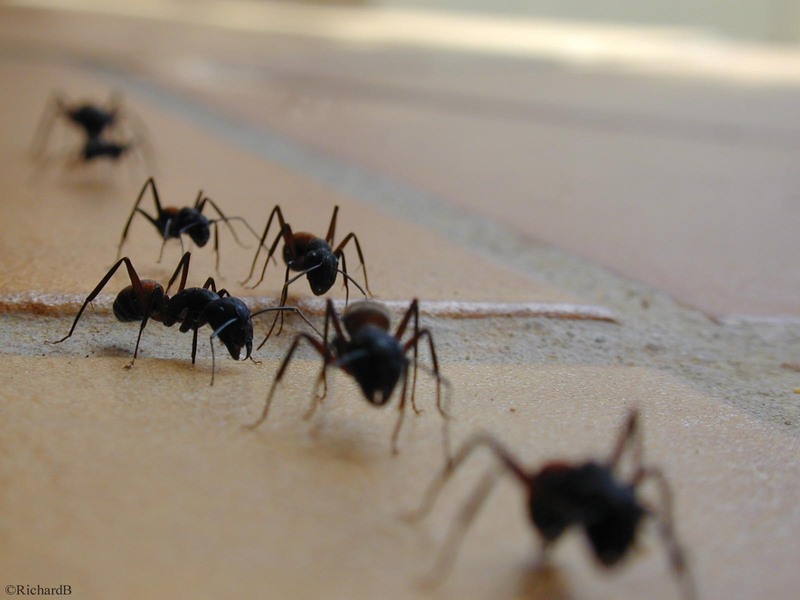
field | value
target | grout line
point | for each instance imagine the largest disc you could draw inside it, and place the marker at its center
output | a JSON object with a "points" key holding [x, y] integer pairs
{"points": [[66, 304]]}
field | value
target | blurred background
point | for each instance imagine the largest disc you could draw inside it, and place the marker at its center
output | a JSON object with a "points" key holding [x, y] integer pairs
{"points": [[660, 140]]}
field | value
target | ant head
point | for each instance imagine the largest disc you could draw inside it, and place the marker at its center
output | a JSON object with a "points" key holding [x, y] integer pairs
{"points": [[365, 312], [374, 358], [195, 225], [129, 306], [230, 319], [377, 370], [322, 276], [614, 533]]}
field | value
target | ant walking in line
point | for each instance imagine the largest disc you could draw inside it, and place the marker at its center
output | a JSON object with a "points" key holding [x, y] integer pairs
{"points": [[308, 255], [364, 348], [172, 222], [590, 495], [95, 122], [92, 120], [193, 308]]}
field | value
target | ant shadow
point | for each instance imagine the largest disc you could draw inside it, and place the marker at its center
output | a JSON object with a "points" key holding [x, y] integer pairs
{"points": [[335, 437]]}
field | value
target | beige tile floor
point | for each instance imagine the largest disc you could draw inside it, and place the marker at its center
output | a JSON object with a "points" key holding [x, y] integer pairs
{"points": [[92, 208], [140, 483]]}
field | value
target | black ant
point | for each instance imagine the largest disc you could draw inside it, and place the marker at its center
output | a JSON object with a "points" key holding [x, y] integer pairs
{"points": [[309, 255], [94, 122], [192, 307], [590, 495], [365, 349], [91, 119], [172, 222]]}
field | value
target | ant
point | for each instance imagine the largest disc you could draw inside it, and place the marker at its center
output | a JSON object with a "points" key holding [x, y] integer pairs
{"points": [[192, 307], [364, 348], [94, 122], [91, 119], [589, 495], [309, 255], [172, 222]]}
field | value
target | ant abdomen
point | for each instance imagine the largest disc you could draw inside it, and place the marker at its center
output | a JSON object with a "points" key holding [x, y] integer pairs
{"points": [[303, 243], [364, 313], [127, 307]]}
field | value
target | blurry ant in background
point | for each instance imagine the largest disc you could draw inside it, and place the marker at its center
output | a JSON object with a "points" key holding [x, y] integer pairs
{"points": [[308, 255], [172, 222], [365, 349], [99, 127], [590, 495], [192, 307], [92, 120]]}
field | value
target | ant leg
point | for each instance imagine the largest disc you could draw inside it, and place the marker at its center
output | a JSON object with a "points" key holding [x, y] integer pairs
{"points": [[351, 280], [183, 269], [505, 458], [402, 412], [413, 311], [210, 284], [201, 204], [284, 294], [292, 309], [216, 333], [282, 302], [665, 520], [414, 342], [270, 255], [330, 317], [317, 399], [332, 226], [114, 107], [194, 348], [151, 184], [322, 349], [55, 106], [216, 250], [345, 279], [459, 528], [275, 212], [628, 437], [340, 251], [136, 283], [139, 337]]}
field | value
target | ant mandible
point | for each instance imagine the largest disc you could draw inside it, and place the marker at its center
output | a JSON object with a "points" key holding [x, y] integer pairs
{"points": [[193, 308], [364, 348], [589, 495], [172, 222]]}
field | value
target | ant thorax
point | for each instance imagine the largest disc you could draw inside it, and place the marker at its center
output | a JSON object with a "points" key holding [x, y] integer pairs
{"points": [[588, 496]]}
